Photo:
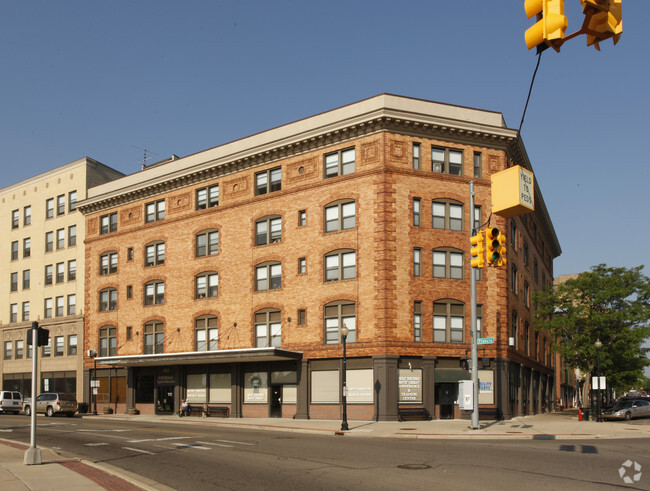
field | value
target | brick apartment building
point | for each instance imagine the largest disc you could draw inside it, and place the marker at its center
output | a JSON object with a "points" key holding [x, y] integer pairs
{"points": [[223, 277], [42, 270]]}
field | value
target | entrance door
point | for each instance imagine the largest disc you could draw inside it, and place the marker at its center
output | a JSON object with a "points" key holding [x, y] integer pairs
{"points": [[165, 403], [276, 401], [446, 396]]}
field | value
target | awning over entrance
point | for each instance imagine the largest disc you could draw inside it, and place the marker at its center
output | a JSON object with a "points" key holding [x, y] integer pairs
{"points": [[201, 357], [450, 375]]}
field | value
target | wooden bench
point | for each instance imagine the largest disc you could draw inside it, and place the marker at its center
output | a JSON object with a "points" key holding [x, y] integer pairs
{"points": [[208, 410], [486, 413], [414, 414]]}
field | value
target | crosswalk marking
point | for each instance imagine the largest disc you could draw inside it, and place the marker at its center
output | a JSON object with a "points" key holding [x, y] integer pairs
{"points": [[237, 443], [94, 444], [216, 444], [190, 445], [160, 439]]}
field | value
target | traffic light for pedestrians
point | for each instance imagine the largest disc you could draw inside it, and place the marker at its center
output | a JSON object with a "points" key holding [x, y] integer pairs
{"points": [[603, 20], [496, 249], [477, 252], [550, 26]]}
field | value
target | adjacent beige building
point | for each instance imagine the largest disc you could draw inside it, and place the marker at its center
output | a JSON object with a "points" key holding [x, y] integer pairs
{"points": [[42, 265]]}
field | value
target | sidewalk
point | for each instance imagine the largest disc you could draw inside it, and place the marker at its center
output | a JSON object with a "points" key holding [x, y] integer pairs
{"points": [[75, 474]]}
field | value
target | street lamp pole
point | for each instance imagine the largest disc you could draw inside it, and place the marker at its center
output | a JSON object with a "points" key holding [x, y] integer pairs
{"points": [[344, 331], [93, 388], [599, 417]]}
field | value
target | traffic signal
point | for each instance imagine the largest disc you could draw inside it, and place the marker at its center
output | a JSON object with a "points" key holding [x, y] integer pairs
{"points": [[603, 20], [42, 335], [477, 252], [550, 26], [496, 249]]}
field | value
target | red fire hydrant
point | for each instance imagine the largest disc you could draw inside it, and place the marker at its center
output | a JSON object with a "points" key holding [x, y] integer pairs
{"points": [[580, 414]]}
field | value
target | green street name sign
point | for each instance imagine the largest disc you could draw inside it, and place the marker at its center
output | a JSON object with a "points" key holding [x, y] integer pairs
{"points": [[485, 341]]}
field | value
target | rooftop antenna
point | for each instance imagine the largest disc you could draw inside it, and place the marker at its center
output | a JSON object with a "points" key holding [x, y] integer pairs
{"points": [[143, 162]]}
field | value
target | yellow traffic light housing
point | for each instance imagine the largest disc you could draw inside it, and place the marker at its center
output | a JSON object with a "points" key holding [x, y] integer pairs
{"points": [[477, 252], [496, 249], [603, 20], [550, 26]]}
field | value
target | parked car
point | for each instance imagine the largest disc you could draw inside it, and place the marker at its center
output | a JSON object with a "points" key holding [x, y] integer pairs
{"points": [[628, 409], [51, 403], [10, 401]]}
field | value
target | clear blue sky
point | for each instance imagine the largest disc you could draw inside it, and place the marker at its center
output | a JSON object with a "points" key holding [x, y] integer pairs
{"points": [[98, 79]]}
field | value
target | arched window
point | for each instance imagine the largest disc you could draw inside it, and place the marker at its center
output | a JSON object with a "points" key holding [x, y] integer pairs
{"points": [[448, 321], [447, 214], [206, 285], [336, 315], [340, 265], [154, 253], [206, 333], [154, 292], [108, 263], [154, 337], [207, 243], [268, 276], [107, 299], [108, 341], [268, 328], [268, 230], [340, 215]]}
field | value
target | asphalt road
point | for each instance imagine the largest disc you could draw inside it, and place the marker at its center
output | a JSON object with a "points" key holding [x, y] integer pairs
{"points": [[199, 457]]}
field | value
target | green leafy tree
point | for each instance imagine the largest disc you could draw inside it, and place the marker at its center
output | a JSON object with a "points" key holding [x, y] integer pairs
{"points": [[610, 304]]}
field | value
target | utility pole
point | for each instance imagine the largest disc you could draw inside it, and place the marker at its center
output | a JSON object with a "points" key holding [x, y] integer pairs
{"points": [[474, 334], [33, 454]]}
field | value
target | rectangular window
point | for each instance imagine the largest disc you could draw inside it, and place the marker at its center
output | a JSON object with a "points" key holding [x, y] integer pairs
{"points": [[60, 306], [27, 215], [49, 274], [72, 270], [268, 230], [302, 218], [417, 321], [27, 247], [447, 160], [108, 223], [49, 208], [15, 218], [8, 349], [72, 201], [154, 254], [416, 156], [477, 164], [13, 312], [302, 317], [14, 250], [417, 212], [72, 304], [72, 345], [207, 197], [60, 204], [417, 261], [340, 163], [60, 272], [49, 241], [446, 215], [13, 282], [302, 265], [26, 279], [60, 238], [340, 217], [25, 311], [20, 347], [72, 235], [268, 181], [48, 308], [513, 278], [155, 211], [448, 322], [59, 345]]}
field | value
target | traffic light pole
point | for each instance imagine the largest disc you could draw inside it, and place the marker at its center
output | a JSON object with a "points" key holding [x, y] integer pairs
{"points": [[474, 334], [33, 454]]}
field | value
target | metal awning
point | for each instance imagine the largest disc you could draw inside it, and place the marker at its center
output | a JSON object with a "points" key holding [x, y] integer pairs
{"points": [[450, 375], [201, 357]]}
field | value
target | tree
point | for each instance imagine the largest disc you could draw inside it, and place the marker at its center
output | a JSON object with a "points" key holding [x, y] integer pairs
{"points": [[610, 304]]}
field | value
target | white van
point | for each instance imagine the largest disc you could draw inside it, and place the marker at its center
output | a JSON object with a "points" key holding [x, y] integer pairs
{"points": [[10, 402]]}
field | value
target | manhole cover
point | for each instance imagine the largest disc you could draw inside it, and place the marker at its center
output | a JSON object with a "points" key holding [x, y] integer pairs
{"points": [[414, 467]]}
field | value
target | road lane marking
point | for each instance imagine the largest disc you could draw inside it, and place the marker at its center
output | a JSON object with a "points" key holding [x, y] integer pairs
{"points": [[138, 450], [160, 439], [94, 444], [237, 443], [216, 444], [190, 445]]}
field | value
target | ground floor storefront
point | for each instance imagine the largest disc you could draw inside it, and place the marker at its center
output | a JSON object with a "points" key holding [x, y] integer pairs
{"points": [[271, 382]]}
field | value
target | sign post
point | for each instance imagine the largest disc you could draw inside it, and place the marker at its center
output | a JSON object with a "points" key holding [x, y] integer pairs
{"points": [[33, 454]]}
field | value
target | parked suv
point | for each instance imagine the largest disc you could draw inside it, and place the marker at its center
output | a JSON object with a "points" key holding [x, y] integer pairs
{"points": [[51, 403], [10, 402]]}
